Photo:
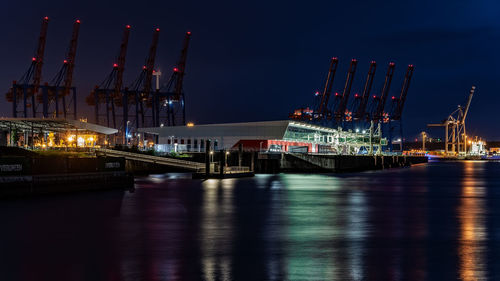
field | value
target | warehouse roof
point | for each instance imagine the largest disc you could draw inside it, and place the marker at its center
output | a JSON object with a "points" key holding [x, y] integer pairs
{"points": [[263, 129], [54, 125]]}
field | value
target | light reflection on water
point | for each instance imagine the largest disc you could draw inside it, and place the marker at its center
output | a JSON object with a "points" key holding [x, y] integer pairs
{"points": [[471, 214], [439, 221]]}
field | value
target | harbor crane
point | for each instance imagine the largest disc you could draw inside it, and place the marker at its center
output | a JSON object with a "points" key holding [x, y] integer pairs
{"points": [[340, 109], [170, 98], [359, 111], [455, 133], [322, 109], [380, 101], [108, 92], [396, 111], [139, 92], [53, 96], [29, 84]]}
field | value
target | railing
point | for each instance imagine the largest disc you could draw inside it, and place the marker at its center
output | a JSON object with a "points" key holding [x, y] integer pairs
{"points": [[190, 165]]}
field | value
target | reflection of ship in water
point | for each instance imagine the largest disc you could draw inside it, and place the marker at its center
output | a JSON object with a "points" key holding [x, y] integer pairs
{"points": [[472, 220]]}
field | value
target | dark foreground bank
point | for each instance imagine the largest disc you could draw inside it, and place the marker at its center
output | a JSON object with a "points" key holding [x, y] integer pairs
{"points": [[25, 173]]}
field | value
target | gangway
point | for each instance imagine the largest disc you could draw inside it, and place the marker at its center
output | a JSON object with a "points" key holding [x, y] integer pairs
{"points": [[170, 162]]}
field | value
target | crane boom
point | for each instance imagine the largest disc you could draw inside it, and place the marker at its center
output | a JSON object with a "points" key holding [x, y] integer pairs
{"points": [[469, 99], [404, 91], [40, 51], [150, 63], [366, 91], [340, 112], [323, 106], [181, 67], [385, 91], [120, 63], [70, 60]]}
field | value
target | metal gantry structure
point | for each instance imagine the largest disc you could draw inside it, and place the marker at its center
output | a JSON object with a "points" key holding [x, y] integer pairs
{"points": [[138, 96], [396, 112], [362, 113], [340, 110], [455, 133], [141, 104], [169, 101], [361, 101], [29, 84], [107, 96], [59, 93]]}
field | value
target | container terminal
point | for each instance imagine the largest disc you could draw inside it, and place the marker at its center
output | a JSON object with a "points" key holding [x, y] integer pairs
{"points": [[350, 125]]}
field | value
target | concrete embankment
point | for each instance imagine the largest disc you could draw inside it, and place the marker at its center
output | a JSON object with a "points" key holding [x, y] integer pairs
{"points": [[286, 162], [309, 163]]}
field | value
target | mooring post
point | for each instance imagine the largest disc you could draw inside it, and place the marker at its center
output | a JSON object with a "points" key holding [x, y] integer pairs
{"points": [[252, 162], [240, 154], [222, 162], [207, 158]]}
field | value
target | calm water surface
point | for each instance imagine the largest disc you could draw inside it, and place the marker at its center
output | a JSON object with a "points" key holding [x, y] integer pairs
{"points": [[439, 221]]}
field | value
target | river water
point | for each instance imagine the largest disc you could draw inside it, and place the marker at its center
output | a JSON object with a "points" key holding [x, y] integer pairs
{"points": [[437, 221]]}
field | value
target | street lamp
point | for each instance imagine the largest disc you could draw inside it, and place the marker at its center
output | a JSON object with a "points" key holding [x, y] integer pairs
{"points": [[424, 135], [126, 133]]}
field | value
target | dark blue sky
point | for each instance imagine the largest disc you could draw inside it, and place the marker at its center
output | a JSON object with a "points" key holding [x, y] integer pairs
{"points": [[258, 60]]}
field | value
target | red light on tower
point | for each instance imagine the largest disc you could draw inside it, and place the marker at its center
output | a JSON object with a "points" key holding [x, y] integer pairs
{"points": [[391, 63], [157, 30], [65, 61], [77, 21], [46, 18], [188, 33], [176, 69], [115, 65], [393, 97], [336, 94], [127, 26], [33, 59], [355, 95], [143, 67], [374, 96]]}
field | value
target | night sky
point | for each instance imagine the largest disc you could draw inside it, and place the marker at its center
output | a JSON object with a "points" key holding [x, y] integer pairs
{"points": [[258, 60]]}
